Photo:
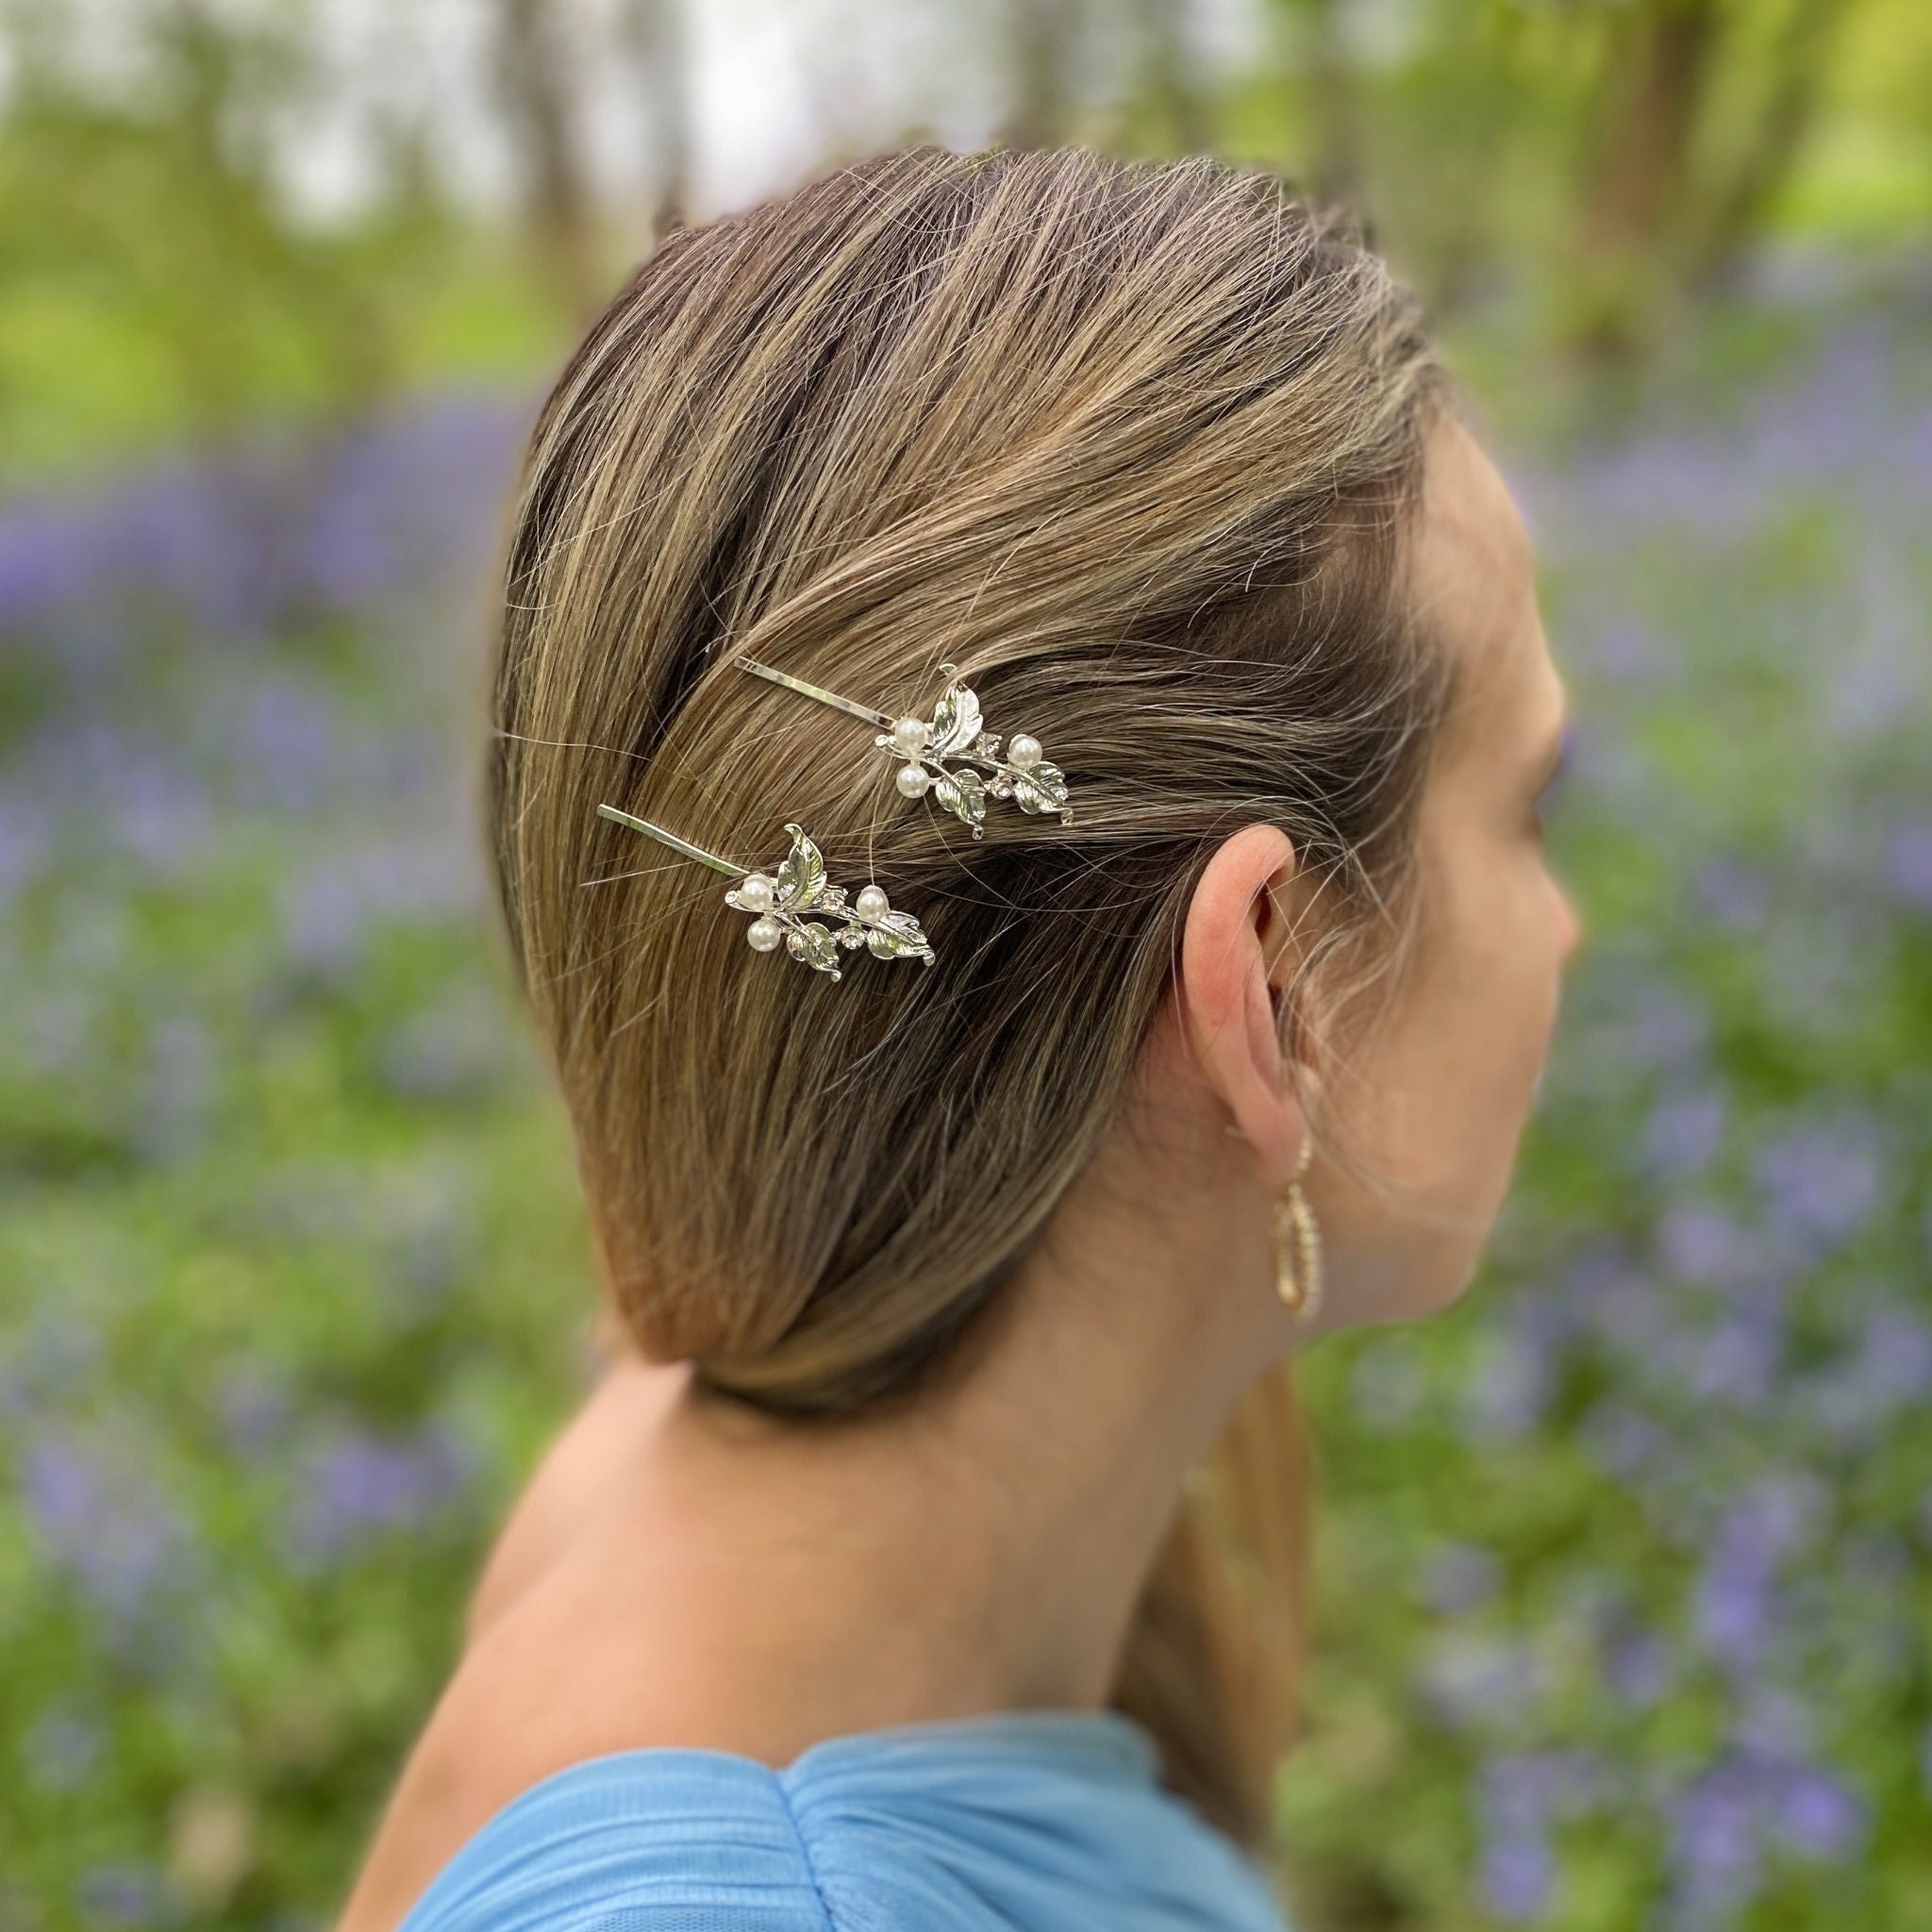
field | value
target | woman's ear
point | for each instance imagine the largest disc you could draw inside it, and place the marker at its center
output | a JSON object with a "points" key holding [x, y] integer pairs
{"points": [[1231, 967]]}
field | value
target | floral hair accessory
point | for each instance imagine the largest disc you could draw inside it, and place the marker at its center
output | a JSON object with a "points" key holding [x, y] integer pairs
{"points": [[797, 906], [948, 756]]}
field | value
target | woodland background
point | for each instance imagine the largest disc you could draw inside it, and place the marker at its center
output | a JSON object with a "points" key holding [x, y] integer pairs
{"points": [[1625, 1565]]}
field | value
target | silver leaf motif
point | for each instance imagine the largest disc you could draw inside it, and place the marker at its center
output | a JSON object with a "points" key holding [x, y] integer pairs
{"points": [[897, 936], [798, 897], [955, 722], [1042, 788], [957, 743], [963, 794], [815, 945], [801, 879]]}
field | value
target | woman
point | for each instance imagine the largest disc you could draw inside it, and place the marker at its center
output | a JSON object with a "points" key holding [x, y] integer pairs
{"points": [[930, 1559]]}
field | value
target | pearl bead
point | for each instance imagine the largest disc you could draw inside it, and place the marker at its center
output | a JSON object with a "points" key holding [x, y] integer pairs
{"points": [[872, 904], [911, 735], [914, 781], [754, 893], [1023, 752], [764, 935]]}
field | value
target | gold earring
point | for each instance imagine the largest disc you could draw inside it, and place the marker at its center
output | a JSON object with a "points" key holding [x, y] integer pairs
{"points": [[1298, 1244]]}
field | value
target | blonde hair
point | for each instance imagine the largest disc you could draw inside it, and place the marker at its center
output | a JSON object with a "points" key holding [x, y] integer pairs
{"points": [[1133, 446]]}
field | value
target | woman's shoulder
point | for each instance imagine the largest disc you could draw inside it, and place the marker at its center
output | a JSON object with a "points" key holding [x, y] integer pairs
{"points": [[667, 1839], [1043, 1820], [572, 1777]]}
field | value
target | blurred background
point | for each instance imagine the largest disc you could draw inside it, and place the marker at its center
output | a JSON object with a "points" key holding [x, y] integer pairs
{"points": [[1626, 1564]]}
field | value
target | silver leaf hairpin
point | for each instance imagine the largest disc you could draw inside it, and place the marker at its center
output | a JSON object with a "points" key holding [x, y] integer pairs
{"points": [[789, 904], [947, 757]]}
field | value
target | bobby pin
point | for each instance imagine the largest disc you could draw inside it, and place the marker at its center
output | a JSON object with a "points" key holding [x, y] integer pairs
{"points": [[940, 756], [786, 904]]}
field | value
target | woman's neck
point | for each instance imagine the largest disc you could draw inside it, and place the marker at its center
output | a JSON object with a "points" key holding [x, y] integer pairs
{"points": [[986, 1548], [683, 1572]]}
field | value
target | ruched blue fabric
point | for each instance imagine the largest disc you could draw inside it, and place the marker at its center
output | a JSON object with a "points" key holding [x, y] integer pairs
{"points": [[1039, 1821]]}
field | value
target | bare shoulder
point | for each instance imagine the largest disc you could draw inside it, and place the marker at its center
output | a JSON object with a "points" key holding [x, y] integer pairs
{"points": [[574, 1481], [522, 1702]]}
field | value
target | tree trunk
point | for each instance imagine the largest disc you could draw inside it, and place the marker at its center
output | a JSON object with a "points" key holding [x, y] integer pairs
{"points": [[1170, 75], [1803, 57], [538, 95], [1632, 219], [655, 36], [1039, 39], [1336, 174], [1655, 103]]}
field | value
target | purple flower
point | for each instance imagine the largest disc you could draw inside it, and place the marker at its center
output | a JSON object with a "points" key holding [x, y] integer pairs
{"points": [[1708, 1247], [1815, 1813], [123, 1895], [1668, 1030], [1519, 1793], [26, 835], [1851, 1400], [455, 1048], [1893, 1366], [233, 546], [323, 922], [285, 739], [56, 1356], [1685, 1132], [252, 1409], [1459, 1577], [1518, 1868], [1714, 1854], [159, 814], [1733, 894], [1518, 1874], [1737, 1602], [1738, 1363], [356, 1486], [1776, 1516], [1638, 1667], [108, 1525], [1510, 1387], [1734, 1606], [1623, 650], [1477, 1681], [1625, 1442], [1909, 864], [1820, 1183], [63, 1749], [1774, 1725]]}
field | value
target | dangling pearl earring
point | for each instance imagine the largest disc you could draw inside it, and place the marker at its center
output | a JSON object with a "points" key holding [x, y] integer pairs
{"points": [[1298, 1244]]}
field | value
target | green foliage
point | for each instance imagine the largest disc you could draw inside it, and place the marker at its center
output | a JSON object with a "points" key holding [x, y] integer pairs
{"points": [[293, 1281], [153, 286]]}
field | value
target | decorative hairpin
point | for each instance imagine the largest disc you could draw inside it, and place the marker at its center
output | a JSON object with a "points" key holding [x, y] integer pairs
{"points": [[939, 757], [786, 904]]}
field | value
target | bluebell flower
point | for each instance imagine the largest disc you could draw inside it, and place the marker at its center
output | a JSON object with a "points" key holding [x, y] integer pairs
{"points": [[354, 1486]]}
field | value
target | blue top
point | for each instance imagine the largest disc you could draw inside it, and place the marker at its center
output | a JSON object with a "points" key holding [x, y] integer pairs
{"points": [[1018, 1820]]}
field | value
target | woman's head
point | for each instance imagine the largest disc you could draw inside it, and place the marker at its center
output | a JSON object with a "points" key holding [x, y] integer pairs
{"points": [[1162, 462]]}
